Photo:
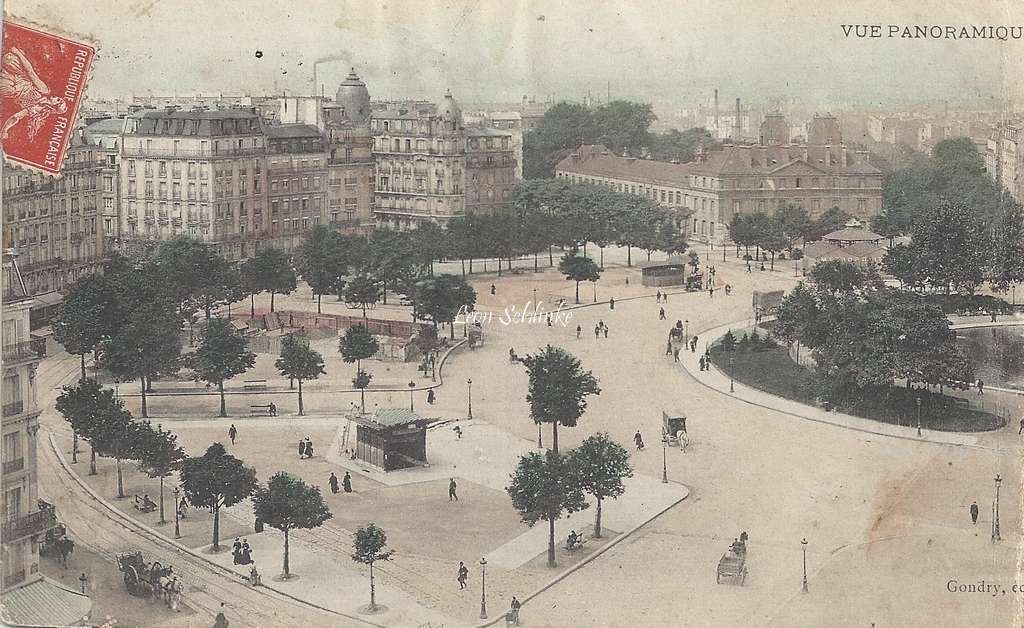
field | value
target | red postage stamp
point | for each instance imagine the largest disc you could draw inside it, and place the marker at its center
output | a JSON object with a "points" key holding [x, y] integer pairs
{"points": [[42, 82]]}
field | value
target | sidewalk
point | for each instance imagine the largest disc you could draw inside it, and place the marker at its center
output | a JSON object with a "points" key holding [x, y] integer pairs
{"points": [[719, 381]]}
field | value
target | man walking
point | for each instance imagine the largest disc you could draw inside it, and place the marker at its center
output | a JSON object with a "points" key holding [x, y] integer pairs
{"points": [[579, 331], [693, 344], [1021, 430], [974, 513], [597, 331], [232, 433], [657, 296], [333, 481], [981, 387], [661, 314], [452, 495], [514, 611], [463, 575], [605, 331], [639, 440]]}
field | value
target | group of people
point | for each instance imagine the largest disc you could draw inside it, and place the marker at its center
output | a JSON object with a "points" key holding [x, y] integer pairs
{"points": [[705, 361], [739, 545], [305, 448], [346, 483], [574, 541], [660, 297], [600, 328], [241, 552]]}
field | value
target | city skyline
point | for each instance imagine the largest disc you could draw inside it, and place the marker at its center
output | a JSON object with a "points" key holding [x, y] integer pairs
{"points": [[487, 51]]}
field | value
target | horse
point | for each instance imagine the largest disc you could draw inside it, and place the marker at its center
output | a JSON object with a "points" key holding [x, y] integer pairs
{"points": [[64, 547], [684, 440]]}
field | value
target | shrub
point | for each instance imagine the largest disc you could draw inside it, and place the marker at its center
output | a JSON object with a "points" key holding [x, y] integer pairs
{"points": [[728, 341]]}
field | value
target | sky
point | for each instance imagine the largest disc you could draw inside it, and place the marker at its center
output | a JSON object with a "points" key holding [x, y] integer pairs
{"points": [[500, 50]]}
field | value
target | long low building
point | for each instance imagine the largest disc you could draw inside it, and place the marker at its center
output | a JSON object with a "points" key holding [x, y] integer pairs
{"points": [[737, 179]]}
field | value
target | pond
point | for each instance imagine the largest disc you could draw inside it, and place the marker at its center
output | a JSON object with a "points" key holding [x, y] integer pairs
{"points": [[998, 354]]}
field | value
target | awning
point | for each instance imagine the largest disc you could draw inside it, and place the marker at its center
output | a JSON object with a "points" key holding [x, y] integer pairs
{"points": [[45, 602], [46, 299]]}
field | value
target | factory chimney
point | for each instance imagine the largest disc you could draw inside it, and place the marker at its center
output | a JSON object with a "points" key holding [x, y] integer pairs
{"points": [[736, 125]]}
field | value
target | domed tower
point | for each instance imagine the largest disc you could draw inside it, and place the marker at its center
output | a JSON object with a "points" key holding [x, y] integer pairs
{"points": [[354, 97], [450, 111]]}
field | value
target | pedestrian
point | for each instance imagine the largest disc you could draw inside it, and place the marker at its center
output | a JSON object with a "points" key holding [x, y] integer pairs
{"points": [[549, 320], [744, 537], [463, 574], [611, 303], [668, 345], [993, 316], [302, 449], [221, 621], [513, 611], [309, 448], [254, 576], [182, 507], [693, 344], [346, 482], [661, 314], [981, 387], [430, 396], [974, 513], [291, 322], [232, 433], [728, 290], [493, 289], [1021, 430], [605, 331], [762, 265], [664, 297], [246, 554], [748, 266], [657, 296], [452, 495], [711, 290], [579, 331], [458, 432], [702, 362], [639, 440], [333, 481], [236, 551], [675, 354], [627, 281], [597, 331]]}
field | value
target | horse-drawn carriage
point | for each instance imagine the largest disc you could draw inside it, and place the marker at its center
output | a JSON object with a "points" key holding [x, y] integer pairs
{"points": [[695, 282], [733, 564], [144, 579], [476, 336], [673, 430], [57, 545]]}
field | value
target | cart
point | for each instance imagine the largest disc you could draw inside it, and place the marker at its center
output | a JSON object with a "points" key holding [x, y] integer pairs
{"points": [[142, 579], [695, 282], [673, 429], [476, 336], [733, 567]]}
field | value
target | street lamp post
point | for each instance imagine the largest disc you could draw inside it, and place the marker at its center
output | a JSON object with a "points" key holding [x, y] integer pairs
{"points": [[918, 416], [664, 462], [995, 519], [595, 291], [803, 544], [686, 331], [412, 385], [83, 579], [177, 510], [732, 387], [469, 384], [483, 588], [535, 304]]}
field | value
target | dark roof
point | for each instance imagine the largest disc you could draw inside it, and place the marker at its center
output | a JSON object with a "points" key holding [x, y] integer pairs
{"points": [[109, 125], [392, 417], [762, 159], [853, 234], [596, 160], [46, 602], [290, 131], [477, 131], [202, 114]]}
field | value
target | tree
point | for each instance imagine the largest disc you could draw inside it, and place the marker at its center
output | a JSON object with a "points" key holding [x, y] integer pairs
{"points": [[194, 275], [835, 276], [159, 456], [357, 345], [299, 361], [362, 290], [558, 388], [543, 487], [146, 345], [796, 317], [321, 261], [1008, 253], [215, 480], [368, 547], [831, 220], [440, 299], [601, 465], [950, 247], [578, 268], [899, 262], [84, 319], [288, 503], [793, 222], [80, 406], [772, 239], [115, 434], [221, 355], [272, 272]]}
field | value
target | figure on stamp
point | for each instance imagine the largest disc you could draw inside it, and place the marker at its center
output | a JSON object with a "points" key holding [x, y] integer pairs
{"points": [[19, 82]]}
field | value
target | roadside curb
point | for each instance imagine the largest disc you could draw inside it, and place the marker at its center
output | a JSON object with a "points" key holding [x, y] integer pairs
{"points": [[586, 561], [126, 520]]}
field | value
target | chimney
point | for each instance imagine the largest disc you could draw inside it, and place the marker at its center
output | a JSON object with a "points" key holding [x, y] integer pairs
{"points": [[716, 110], [736, 125]]}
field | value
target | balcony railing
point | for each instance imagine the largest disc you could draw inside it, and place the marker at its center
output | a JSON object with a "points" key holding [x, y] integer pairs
{"points": [[25, 350], [191, 153], [31, 524], [10, 409], [11, 466]]}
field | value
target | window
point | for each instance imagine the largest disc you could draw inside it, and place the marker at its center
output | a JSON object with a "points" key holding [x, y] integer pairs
{"points": [[12, 498], [862, 205], [798, 182], [108, 184], [108, 205], [131, 167]]}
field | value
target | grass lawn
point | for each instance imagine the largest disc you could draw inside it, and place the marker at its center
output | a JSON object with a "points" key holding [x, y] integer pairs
{"points": [[772, 370]]}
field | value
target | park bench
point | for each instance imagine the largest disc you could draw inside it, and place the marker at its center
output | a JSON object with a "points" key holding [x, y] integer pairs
{"points": [[144, 504], [254, 384], [262, 410]]}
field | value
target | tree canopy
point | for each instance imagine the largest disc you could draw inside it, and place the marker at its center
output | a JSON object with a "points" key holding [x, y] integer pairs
{"points": [[558, 388], [287, 503], [215, 480]]}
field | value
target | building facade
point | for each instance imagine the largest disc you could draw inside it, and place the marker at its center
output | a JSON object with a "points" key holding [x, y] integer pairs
{"points": [[420, 159], [350, 166], [198, 172], [296, 184], [738, 179], [64, 227], [491, 168]]}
